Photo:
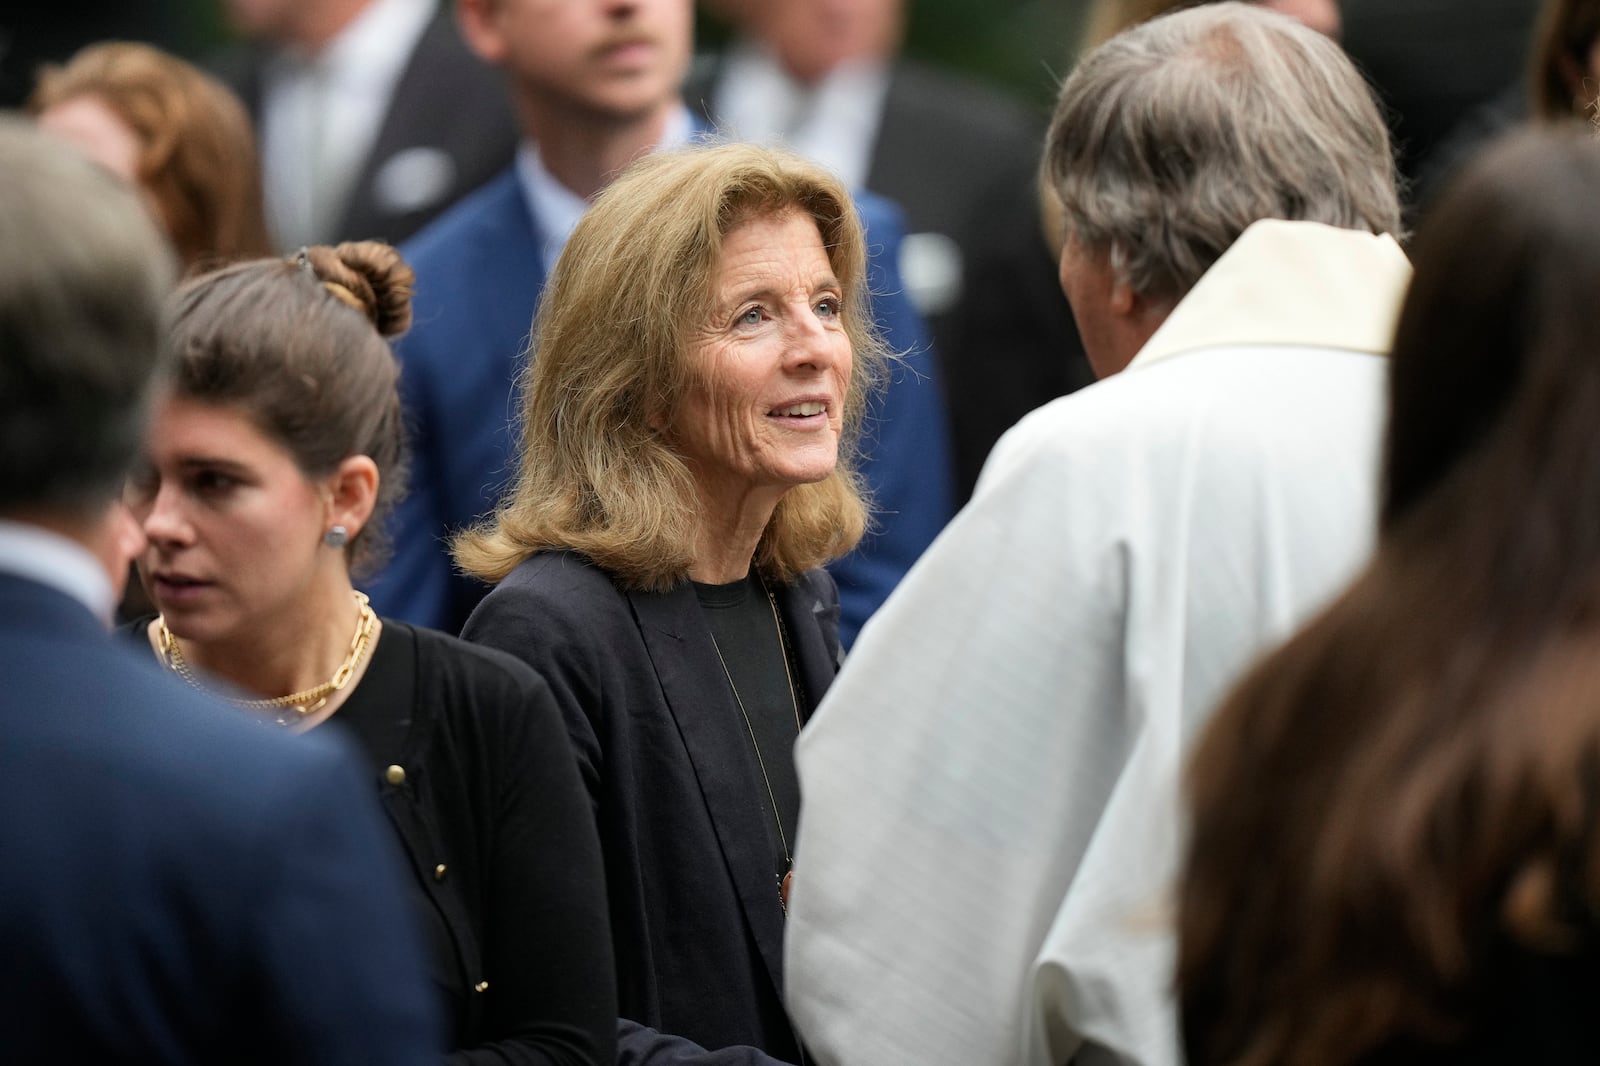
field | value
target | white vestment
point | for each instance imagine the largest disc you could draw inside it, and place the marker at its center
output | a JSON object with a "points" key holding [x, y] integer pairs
{"points": [[991, 821]]}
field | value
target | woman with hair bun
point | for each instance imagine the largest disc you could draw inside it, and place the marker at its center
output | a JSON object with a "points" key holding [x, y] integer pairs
{"points": [[271, 461]]}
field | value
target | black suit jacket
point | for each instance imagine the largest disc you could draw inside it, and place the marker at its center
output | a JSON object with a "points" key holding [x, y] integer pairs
{"points": [[941, 143], [178, 884], [1013, 344], [448, 107], [695, 912]]}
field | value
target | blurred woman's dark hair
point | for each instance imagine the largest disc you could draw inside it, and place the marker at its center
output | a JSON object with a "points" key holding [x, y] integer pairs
{"points": [[1561, 84], [1401, 806]]}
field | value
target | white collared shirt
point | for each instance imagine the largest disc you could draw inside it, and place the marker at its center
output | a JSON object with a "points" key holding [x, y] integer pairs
{"points": [[320, 116], [833, 123], [35, 553], [557, 207]]}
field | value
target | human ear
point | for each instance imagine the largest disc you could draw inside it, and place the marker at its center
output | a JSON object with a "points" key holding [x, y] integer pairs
{"points": [[1124, 301], [480, 29], [352, 493]]}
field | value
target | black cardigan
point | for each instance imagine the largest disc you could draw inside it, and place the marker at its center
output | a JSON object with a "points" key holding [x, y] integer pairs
{"points": [[470, 758], [694, 907]]}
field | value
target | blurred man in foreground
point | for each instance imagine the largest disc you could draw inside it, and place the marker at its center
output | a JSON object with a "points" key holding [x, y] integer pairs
{"points": [[178, 885]]}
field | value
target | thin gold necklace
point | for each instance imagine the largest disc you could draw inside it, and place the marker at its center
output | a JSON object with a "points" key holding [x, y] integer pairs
{"points": [[794, 703], [297, 706]]}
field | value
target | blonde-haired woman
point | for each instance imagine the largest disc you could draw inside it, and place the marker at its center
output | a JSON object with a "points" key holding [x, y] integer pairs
{"points": [[701, 362], [271, 462]]}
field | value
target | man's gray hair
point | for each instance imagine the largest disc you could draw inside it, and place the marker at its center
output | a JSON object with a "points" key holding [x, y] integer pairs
{"points": [[84, 272], [1172, 137]]}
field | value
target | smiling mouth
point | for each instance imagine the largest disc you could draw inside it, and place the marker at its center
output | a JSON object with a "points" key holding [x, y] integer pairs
{"points": [[800, 410]]}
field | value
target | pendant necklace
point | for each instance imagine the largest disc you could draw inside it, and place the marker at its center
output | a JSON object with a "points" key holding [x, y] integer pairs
{"points": [[794, 704]]}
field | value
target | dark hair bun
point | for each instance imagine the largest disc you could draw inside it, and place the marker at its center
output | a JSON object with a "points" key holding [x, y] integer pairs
{"points": [[377, 279]]}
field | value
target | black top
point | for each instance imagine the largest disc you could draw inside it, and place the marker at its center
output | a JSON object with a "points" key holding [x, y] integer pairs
{"points": [[744, 626], [694, 907], [469, 754]]}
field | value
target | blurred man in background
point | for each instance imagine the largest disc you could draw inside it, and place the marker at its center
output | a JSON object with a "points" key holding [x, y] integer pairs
{"points": [[373, 117]]}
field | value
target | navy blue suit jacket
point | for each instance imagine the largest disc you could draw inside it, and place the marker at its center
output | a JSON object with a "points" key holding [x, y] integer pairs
{"points": [[179, 885], [479, 275], [695, 911]]}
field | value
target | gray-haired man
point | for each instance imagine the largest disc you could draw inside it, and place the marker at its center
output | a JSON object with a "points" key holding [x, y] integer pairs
{"points": [[991, 817]]}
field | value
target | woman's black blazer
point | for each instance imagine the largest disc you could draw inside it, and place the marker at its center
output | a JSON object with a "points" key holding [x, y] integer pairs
{"points": [[696, 918]]}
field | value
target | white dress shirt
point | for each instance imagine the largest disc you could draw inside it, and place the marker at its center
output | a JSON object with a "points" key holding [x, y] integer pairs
{"points": [[991, 819], [557, 207], [833, 123], [320, 116], [35, 553]]}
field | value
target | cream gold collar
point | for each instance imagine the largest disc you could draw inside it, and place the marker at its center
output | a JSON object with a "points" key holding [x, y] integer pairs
{"points": [[1291, 284]]}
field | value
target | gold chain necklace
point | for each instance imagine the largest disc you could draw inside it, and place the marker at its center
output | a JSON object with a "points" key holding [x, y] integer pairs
{"points": [[794, 703], [295, 707]]}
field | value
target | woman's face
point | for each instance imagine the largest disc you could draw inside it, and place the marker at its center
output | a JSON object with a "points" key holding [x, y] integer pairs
{"points": [[98, 132], [772, 365], [235, 528]]}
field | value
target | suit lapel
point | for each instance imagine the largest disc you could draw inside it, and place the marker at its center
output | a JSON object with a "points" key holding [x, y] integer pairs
{"points": [[509, 297], [512, 243], [362, 216], [697, 696], [440, 82], [814, 661]]}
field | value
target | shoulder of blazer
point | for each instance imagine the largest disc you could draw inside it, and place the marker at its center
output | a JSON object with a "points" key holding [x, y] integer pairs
{"points": [[482, 227], [564, 572], [478, 275], [561, 593]]}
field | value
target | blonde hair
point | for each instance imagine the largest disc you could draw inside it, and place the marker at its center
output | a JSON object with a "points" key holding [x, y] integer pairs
{"points": [[197, 151], [599, 472]]}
